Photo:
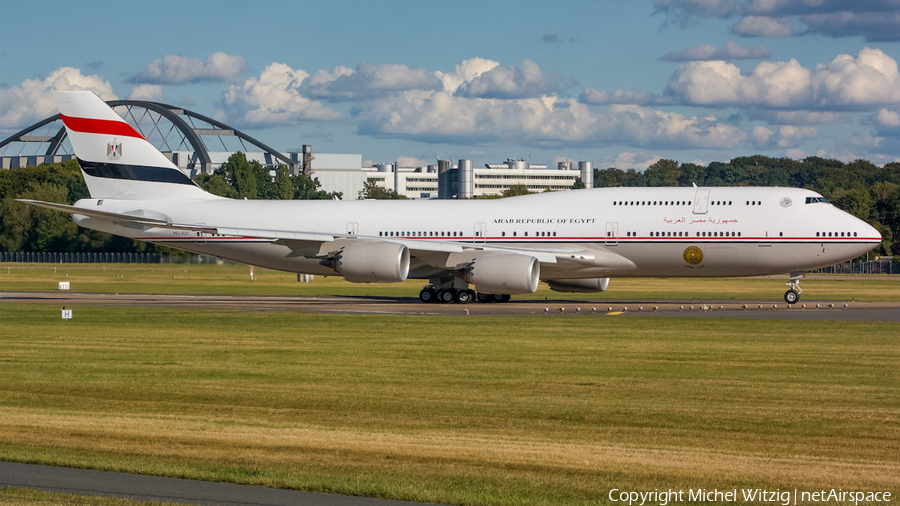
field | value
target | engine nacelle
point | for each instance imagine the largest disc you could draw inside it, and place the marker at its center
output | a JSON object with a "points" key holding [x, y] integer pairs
{"points": [[504, 274], [591, 285], [373, 262]]}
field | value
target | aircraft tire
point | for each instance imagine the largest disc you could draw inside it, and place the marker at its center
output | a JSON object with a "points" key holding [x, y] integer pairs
{"points": [[791, 297], [446, 296], [464, 296], [502, 297], [428, 295], [484, 297]]}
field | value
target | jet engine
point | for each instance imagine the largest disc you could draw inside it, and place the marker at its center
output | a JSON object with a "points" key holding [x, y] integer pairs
{"points": [[504, 273], [372, 262], [591, 285]]}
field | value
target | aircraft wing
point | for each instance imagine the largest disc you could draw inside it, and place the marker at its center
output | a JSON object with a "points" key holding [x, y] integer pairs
{"points": [[139, 220]]}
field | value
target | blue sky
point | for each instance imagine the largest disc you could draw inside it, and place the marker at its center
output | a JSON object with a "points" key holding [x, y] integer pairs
{"points": [[617, 83]]}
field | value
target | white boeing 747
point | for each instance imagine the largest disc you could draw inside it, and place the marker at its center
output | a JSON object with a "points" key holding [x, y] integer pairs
{"points": [[573, 240]]}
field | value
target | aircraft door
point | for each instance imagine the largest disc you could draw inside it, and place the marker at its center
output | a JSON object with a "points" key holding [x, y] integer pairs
{"points": [[480, 232], [352, 228], [612, 233], [201, 236], [701, 201]]}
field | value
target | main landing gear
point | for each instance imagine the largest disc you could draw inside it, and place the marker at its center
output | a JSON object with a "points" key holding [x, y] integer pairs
{"points": [[792, 296], [450, 290]]}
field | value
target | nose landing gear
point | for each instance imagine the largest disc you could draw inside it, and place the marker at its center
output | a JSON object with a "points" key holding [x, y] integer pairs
{"points": [[792, 296]]}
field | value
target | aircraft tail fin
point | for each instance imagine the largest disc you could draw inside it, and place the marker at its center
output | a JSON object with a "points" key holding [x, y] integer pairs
{"points": [[116, 160]]}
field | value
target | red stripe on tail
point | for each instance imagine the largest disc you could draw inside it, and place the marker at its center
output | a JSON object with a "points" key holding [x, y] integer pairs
{"points": [[100, 126]]}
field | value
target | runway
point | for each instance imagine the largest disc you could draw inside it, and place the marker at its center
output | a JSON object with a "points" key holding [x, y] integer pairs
{"points": [[747, 309], [156, 488]]}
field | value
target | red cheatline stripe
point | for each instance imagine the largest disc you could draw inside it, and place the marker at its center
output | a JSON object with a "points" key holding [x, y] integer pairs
{"points": [[100, 126]]}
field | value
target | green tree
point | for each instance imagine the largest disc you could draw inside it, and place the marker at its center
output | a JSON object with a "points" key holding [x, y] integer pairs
{"points": [[663, 173], [692, 174], [579, 184], [307, 187], [216, 184], [283, 184], [372, 191], [608, 178], [240, 174], [516, 190]]}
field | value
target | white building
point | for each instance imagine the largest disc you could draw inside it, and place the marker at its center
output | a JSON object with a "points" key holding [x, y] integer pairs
{"points": [[493, 179]]}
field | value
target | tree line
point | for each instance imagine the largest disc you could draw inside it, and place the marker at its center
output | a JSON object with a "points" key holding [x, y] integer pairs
{"points": [[861, 188], [29, 228]]}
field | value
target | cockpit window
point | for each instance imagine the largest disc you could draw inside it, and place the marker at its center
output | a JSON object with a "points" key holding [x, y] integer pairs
{"points": [[814, 200]]}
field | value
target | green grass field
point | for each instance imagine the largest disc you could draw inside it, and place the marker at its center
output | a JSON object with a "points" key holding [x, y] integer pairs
{"points": [[26, 497], [490, 411], [235, 280]]}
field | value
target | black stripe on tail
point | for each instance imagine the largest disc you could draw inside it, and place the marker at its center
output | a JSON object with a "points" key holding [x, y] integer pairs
{"points": [[134, 172]]}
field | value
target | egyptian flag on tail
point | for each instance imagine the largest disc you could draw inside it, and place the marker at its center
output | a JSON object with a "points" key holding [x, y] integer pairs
{"points": [[117, 162]]}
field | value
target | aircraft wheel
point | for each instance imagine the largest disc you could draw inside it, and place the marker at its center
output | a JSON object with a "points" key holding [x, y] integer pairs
{"points": [[484, 297], [791, 297], [428, 295], [464, 296], [501, 297], [446, 296]]}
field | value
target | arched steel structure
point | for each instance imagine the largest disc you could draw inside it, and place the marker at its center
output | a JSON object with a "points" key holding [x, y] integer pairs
{"points": [[182, 120]]}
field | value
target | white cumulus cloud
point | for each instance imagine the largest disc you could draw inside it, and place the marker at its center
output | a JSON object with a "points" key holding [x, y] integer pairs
{"points": [[787, 137], [592, 96], [174, 69], [151, 92], [368, 81], [444, 117], [707, 52], [846, 83], [33, 101], [272, 98], [466, 71], [524, 81], [762, 26]]}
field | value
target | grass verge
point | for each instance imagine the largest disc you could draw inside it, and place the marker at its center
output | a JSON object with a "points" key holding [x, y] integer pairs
{"points": [[235, 280], [461, 411]]}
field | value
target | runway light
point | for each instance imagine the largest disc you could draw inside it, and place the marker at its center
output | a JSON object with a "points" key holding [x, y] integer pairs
{"points": [[845, 306], [802, 306], [720, 308], [609, 308], [594, 309], [759, 307], [681, 308], [744, 307], [817, 306], [625, 308], [640, 308], [655, 308], [577, 309], [546, 309]]}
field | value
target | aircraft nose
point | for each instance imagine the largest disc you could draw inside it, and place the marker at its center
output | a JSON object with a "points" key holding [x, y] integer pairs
{"points": [[869, 231]]}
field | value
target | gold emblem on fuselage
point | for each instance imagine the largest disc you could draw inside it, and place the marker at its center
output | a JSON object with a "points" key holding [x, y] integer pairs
{"points": [[693, 255]]}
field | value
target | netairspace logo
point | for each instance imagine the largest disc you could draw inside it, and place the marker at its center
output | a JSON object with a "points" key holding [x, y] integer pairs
{"points": [[747, 495]]}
